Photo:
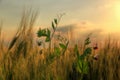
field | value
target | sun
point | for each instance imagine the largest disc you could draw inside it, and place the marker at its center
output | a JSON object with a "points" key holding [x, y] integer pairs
{"points": [[117, 10]]}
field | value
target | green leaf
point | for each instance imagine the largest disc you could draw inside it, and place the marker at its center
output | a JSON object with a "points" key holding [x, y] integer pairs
{"points": [[47, 39], [85, 67], [82, 57], [87, 41], [79, 66], [57, 51], [88, 51], [62, 46], [53, 26], [42, 32], [39, 33], [56, 22], [48, 33]]}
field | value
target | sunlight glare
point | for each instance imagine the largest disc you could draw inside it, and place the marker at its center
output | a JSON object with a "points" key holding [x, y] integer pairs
{"points": [[117, 10]]}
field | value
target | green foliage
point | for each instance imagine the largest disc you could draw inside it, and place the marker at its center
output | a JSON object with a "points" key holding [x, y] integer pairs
{"points": [[56, 21], [63, 46], [87, 41], [57, 51], [44, 33], [87, 51], [82, 67], [53, 26], [82, 64]]}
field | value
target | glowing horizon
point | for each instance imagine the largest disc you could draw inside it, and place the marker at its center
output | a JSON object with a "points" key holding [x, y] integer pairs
{"points": [[98, 14]]}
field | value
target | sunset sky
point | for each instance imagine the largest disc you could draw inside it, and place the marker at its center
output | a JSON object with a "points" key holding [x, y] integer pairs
{"points": [[99, 15]]}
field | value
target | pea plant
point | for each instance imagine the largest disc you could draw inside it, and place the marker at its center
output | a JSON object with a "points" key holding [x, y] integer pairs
{"points": [[56, 51], [81, 64]]}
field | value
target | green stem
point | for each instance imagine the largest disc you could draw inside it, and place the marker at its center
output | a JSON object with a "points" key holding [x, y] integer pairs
{"points": [[52, 35], [81, 78]]}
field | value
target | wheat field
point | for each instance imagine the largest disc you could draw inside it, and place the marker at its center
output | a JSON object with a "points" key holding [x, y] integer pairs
{"points": [[26, 59]]}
